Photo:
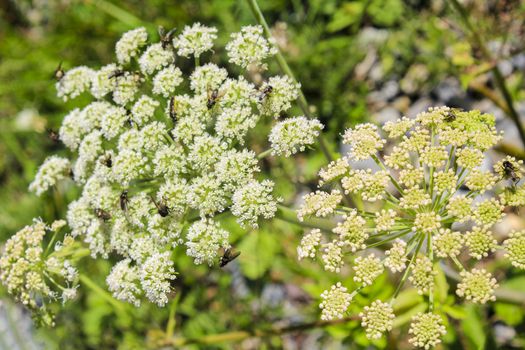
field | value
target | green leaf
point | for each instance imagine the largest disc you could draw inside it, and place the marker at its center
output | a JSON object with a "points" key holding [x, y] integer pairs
{"points": [[516, 283], [385, 12], [406, 299], [454, 311], [473, 328], [407, 316], [510, 314], [258, 251], [348, 14]]}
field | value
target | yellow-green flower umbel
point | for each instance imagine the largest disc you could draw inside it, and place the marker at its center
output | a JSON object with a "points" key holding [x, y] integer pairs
{"points": [[423, 203]]}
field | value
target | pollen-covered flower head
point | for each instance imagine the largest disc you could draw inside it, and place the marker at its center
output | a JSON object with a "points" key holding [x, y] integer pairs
{"points": [[335, 302], [253, 200], [477, 285], [515, 249], [377, 319], [364, 140], [277, 94], [309, 243], [166, 81], [426, 330], [427, 202]]}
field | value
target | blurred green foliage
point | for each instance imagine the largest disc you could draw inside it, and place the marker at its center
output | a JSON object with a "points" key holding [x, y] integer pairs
{"points": [[341, 52]]}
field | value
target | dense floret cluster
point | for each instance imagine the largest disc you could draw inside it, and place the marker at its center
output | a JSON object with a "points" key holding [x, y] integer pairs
{"points": [[426, 201], [36, 273], [160, 153]]}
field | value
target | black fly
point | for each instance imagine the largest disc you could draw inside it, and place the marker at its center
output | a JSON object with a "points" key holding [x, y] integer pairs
{"points": [[265, 92], [172, 112], [165, 38], [228, 256], [450, 117], [107, 161], [162, 208], [53, 135], [102, 214], [59, 72], [510, 171], [117, 73], [212, 99], [124, 200]]}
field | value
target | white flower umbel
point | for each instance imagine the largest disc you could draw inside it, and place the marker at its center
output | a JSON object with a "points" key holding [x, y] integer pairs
{"points": [[293, 135], [477, 285], [166, 81], [156, 274], [254, 200], [129, 45], [164, 149], [154, 58], [415, 205], [377, 319], [123, 281], [74, 82], [250, 47], [515, 247], [195, 40], [309, 243], [205, 238], [277, 94], [53, 170], [101, 83]]}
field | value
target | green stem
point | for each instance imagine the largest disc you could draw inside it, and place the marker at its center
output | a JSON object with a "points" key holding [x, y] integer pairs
{"points": [[382, 166], [289, 215], [458, 264], [389, 239], [170, 327], [264, 154], [101, 292], [407, 270], [51, 242], [431, 257]]}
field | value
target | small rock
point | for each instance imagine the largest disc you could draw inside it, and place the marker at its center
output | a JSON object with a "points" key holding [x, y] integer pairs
{"points": [[505, 67], [386, 114], [519, 61]]}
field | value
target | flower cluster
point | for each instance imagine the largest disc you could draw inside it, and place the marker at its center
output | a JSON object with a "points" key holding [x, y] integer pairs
{"points": [[35, 274], [160, 153], [426, 202]]}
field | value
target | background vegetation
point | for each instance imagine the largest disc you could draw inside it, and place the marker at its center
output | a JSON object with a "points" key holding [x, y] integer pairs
{"points": [[357, 60]]}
